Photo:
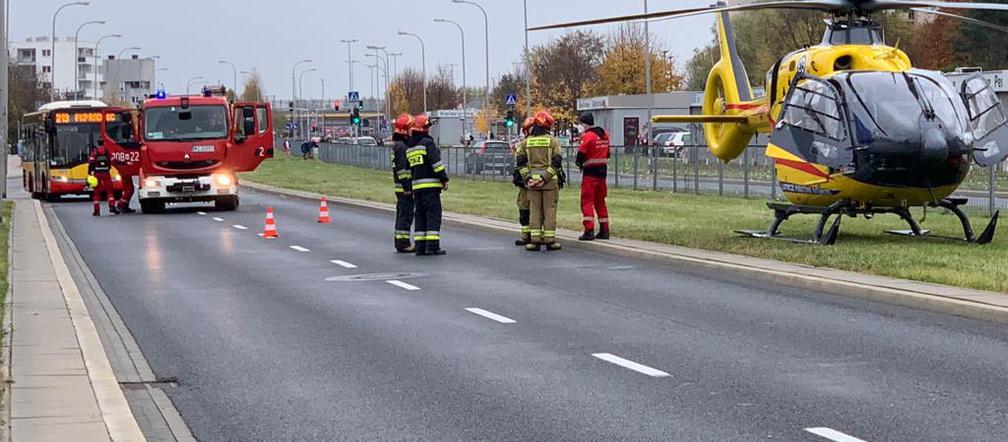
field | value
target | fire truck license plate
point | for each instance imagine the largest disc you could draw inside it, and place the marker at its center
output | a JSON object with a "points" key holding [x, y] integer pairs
{"points": [[207, 148], [188, 188]]}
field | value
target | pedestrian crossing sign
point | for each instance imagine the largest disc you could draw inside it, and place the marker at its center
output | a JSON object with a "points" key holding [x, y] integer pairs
{"points": [[353, 96], [511, 99]]}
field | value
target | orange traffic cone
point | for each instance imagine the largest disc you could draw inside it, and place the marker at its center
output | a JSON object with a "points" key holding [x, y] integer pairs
{"points": [[270, 231], [323, 215]]}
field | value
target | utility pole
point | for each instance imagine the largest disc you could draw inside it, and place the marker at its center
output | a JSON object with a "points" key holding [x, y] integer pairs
{"points": [[650, 109], [3, 99], [349, 60], [528, 76]]}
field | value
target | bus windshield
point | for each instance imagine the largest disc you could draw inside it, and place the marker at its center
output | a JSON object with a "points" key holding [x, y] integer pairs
{"points": [[73, 144], [172, 123]]}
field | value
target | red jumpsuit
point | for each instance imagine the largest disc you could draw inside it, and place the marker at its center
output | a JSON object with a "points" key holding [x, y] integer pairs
{"points": [[127, 192], [100, 165], [593, 159]]}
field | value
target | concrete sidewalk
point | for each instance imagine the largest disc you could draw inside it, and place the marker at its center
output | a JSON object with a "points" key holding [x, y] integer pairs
{"points": [[61, 384]]}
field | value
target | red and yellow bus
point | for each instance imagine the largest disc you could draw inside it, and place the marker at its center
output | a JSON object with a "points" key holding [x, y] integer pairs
{"points": [[57, 141]]}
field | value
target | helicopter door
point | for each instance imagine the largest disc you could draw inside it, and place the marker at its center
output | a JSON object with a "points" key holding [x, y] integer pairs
{"points": [[987, 118], [813, 125]]}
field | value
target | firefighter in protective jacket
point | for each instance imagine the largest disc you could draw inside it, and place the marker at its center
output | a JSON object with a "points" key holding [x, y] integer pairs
{"points": [[100, 168], [523, 201], [402, 177], [540, 159], [429, 179], [593, 159]]}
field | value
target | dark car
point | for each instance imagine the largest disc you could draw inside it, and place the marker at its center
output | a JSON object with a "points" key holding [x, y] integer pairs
{"points": [[493, 155]]}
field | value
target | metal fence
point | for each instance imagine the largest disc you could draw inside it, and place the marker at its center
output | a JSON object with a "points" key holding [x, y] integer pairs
{"points": [[690, 170]]}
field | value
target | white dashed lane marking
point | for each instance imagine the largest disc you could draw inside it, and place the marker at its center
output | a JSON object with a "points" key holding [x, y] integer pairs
{"points": [[626, 363], [201, 213], [343, 264], [491, 315], [401, 284], [239, 227], [832, 434], [217, 219], [300, 249]]}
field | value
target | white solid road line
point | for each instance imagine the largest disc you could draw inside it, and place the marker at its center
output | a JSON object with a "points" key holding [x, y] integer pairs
{"points": [[217, 219], [404, 285], [625, 363], [491, 315], [832, 434], [201, 213], [343, 264], [239, 227], [300, 249]]}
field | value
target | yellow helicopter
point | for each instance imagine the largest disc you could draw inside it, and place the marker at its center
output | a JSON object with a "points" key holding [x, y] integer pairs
{"points": [[854, 128]]}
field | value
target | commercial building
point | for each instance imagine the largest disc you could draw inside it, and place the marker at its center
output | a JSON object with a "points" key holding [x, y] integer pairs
{"points": [[37, 52], [128, 80], [626, 116]]}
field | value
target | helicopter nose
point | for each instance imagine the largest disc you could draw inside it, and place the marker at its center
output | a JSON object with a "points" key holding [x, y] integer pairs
{"points": [[934, 147]]}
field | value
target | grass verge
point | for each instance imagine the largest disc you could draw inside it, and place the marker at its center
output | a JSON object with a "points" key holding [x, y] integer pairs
{"points": [[5, 232], [703, 222]]}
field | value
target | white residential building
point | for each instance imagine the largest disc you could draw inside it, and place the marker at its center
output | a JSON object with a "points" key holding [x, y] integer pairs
{"points": [[37, 52], [128, 80]]}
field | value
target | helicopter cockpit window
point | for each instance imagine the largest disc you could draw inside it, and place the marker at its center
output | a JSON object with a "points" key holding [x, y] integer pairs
{"points": [[891, 105], [813, 105], [982, 103]]}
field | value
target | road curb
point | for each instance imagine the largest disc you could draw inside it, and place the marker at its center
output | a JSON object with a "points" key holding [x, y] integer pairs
{"points": [[119, 419], [969, 303]]}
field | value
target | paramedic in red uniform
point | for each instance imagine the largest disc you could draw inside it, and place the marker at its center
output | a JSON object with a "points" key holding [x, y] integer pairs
{"points": [[100, 166], [593, 159]]}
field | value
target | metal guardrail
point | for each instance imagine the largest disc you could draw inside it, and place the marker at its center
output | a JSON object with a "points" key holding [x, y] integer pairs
{"points": [[692, 170]]}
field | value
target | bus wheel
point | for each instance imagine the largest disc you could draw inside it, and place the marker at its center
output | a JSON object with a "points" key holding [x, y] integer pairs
{"points": [[152, 206]]}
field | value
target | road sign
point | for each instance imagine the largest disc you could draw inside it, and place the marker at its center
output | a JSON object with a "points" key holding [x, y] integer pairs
{"points": [[353, 96], [511, 99]]}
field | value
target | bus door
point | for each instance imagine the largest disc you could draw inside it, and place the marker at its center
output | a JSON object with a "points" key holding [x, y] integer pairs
{"points": [[119, 136], [252, 139]]}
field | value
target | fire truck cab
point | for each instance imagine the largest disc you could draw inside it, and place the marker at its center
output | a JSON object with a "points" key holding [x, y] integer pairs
{"points": [[192, 146]]}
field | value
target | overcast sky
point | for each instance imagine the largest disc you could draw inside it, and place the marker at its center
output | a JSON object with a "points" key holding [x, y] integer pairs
{"points": [[191, 36]]}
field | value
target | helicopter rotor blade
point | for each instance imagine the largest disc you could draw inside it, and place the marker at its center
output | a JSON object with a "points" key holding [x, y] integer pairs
{"points": [[908, 4], [818, 5], [963, 18]]}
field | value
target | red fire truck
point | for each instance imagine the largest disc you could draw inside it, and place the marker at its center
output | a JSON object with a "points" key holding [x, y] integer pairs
{"points": [[190, 147]]}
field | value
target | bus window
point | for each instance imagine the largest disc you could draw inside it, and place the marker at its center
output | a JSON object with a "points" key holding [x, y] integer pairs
{"points": [[73, 143]]}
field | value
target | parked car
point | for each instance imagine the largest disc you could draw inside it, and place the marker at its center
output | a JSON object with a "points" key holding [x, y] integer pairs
{"points": [[492, 155], [366, 141], [677, 144]]}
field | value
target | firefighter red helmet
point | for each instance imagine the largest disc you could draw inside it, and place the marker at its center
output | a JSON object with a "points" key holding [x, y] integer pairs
{"points": [[544, 119], [527, 125], [421, 123], [403, 123]]}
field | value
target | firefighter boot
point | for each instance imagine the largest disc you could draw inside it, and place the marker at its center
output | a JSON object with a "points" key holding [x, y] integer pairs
{"points": [[125, 208], [588, 235], [421, 248], [434, 248], [533, 246], [553, 246], [523, 219], [404, 246], [97, 210], [603, 232], [525, 239], [113, 209]]}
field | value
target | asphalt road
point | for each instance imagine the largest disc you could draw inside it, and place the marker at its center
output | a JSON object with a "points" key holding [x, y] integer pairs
{"points": [[264, 347]]}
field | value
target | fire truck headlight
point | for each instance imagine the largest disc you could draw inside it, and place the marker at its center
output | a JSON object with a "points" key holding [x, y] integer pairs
{"points": [[117, 178], [223, 180], [61, 179], [151, 183]]}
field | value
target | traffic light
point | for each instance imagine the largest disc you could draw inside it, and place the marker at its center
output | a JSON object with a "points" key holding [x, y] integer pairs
{"points": [[355, 116], [509, 121]]}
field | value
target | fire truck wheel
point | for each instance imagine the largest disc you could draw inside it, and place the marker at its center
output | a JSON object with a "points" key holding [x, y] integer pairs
{"points": [[227, 203], [152, 206]]}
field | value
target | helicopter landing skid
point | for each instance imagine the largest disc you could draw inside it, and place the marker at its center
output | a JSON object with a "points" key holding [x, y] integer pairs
{"points": [[828, 236]]}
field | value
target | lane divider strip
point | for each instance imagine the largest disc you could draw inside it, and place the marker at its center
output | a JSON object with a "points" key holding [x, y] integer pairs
{"points": [[401, 284], [343, 264], [217, 219], [491, 315], [239, 227], [300, 249], [832, 434], [626, 363]]}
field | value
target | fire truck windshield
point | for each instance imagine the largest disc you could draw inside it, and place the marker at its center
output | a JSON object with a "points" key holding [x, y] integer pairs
{"points": [[193, 123]]}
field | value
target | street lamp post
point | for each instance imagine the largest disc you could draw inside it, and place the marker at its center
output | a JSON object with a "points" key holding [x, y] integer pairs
{"points": [[52, 53], [486, 31], [98, 57], [387, 71], [301, 94], [294, 97], [423, 64], [190, 82], [528, 76], [155, 75], [395, 56], [234, 76], [134, 48], [465, 101], [77, 48], [349, 60]]}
